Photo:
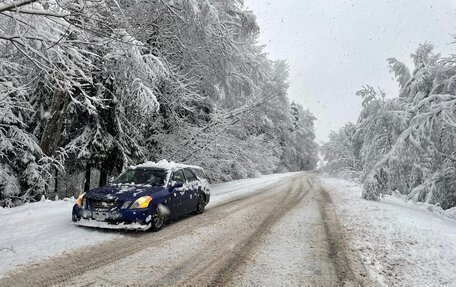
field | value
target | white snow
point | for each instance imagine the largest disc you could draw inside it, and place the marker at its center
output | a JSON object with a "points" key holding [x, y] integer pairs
{"points": [[100, 224], [224, 191], [401, 243], [402, 200], [36, 231], [292, 253], [168, 165]]}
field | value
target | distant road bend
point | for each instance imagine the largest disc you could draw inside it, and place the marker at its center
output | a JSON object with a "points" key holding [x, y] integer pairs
{"points": [[286, 233]]}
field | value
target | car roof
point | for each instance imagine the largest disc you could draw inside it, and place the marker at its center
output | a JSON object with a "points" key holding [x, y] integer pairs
{"points": [[164, 164]]}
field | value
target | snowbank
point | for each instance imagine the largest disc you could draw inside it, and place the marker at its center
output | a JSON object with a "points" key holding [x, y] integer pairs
{"points": [[403, 200], [224, 191], [38, 230], [401, 243]]}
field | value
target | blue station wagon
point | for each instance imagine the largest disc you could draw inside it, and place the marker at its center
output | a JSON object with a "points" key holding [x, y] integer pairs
{"points": [[144, 197]]}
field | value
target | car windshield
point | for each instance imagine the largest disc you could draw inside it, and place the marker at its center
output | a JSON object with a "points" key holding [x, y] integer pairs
{"points": [[149, 176]]}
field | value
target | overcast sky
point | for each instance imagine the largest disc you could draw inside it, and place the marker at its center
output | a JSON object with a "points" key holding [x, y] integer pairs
{"points": [[334, 47]]}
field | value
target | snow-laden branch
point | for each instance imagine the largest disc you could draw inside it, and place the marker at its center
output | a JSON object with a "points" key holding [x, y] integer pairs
{"points": [[15, 4], [39, 12]]}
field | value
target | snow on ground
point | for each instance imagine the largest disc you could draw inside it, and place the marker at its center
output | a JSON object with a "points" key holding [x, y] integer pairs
{"points": [[401, 243], [36, 231], [224, 191], [294, 252]]}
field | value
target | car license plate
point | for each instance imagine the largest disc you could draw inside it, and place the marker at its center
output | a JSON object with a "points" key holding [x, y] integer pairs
{"points": [[100, 216]]}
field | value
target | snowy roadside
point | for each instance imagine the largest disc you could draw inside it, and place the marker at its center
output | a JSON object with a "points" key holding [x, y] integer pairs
{"points": [[224, 191], [36, 231], [401, 243]]}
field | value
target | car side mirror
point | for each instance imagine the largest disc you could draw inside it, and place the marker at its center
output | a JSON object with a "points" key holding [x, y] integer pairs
{"points": [[177, 184]]}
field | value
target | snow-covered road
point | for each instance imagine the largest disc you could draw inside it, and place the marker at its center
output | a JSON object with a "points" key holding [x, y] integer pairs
{"points": [[297, 229], [279, 229], [36, 231]]}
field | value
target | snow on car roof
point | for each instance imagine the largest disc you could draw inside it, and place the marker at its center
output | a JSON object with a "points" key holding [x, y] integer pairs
{"points": [[168, 165]]}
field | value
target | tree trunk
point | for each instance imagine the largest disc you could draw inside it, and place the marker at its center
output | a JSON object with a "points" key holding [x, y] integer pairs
{"points": [[50, 140], [103, 177], [87, 178], [56, 182]]}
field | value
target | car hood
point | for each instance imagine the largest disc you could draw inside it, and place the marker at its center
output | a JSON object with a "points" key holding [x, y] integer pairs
{"points": [[121, 192]]}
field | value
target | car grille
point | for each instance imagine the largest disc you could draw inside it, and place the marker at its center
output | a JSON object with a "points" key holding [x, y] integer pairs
{"points": [[103, 204]]}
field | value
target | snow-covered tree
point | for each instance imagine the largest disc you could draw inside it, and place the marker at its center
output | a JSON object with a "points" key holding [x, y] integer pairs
{"points": [[23, 166], [104, 84], [407, 144], [52, 53], [341, 153]]}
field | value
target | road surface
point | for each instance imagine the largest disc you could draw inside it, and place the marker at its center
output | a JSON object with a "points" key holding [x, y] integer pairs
{"points": [[284, 234]]}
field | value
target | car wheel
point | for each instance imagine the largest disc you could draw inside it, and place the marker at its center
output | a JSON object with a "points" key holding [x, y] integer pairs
{"points": [[158, 220], [201, 204]]}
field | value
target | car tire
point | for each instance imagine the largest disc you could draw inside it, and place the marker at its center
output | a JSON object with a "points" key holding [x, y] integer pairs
{"points": [[158, 221], [201, 204]]}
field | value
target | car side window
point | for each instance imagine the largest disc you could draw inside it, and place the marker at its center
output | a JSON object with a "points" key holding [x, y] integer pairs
{"points": [[199, 173], [178, 176], [189, 175]]}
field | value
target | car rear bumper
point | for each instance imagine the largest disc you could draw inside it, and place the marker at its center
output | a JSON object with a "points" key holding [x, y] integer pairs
{"points": [[118, 219]]}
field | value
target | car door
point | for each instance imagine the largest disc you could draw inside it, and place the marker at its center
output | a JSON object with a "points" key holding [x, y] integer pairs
{"points": [[178, 204], [203, 179], [192, 191]]}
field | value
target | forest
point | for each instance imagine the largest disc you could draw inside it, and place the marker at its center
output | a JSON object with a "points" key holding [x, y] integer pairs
{"points": [[404, 143], [89, 87]]}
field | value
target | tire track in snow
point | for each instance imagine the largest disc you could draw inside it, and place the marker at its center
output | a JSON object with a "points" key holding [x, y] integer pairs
{"points": [[348, 267], [240, 256], [197, 267], [222, 265]]}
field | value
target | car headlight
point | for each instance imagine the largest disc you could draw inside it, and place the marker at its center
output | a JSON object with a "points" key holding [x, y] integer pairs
{"points": [[78, 201], [142, 202]]}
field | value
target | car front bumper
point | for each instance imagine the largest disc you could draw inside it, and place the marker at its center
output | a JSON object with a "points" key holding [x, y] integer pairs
{"points": [[118, 219], [107, 225]]}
